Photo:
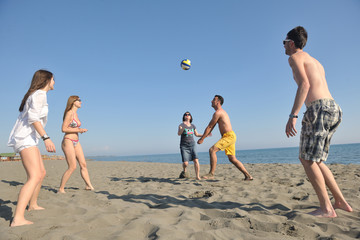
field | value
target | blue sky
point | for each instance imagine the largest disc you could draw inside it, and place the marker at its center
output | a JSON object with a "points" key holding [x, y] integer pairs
{"points": [[123, 59]]}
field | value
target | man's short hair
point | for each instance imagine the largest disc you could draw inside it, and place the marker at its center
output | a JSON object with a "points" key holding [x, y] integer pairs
{"points": [[220, 98], [299, 36]]}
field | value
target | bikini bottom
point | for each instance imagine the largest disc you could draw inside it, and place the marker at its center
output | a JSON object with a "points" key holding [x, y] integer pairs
{"points": [[73, 141]]}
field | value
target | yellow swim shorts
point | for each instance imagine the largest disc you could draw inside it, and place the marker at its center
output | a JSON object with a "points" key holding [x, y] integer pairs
{"points": [[227, 143]]}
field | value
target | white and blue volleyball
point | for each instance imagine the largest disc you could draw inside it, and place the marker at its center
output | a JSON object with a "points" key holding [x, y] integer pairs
{"points": [[185, 64]]}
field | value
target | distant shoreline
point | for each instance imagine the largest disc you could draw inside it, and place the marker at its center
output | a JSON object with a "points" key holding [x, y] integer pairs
{"points": [[16, 157], [241, 150], [340, 153]]}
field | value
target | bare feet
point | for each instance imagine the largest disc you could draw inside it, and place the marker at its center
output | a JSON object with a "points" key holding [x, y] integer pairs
{"points": [[16, 223], [343, 205], [248, 178], [208, 176], [89, 188], [35, 208], [198, 178], [61, 191], [320, 213]]}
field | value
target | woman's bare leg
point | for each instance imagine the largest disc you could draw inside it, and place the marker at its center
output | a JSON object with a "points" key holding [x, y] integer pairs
{"points": [[70, 155], [31, 163], [33, 201], [83, 167]]}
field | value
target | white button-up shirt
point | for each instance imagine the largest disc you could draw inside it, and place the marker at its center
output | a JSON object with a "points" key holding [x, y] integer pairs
{"points": [[35, 110]]}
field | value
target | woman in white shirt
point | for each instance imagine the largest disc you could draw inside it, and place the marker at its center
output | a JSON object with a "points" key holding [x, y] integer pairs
{"points": [[71, 145], [24, 138]]}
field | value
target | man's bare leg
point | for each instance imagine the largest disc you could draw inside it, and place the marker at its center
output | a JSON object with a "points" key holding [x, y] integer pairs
{"points": [[330, 182], [240, 166], [213, 160], [317, 180]]}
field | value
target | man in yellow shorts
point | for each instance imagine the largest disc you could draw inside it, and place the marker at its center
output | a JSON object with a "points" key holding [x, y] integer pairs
{"points": [[227, 142]]}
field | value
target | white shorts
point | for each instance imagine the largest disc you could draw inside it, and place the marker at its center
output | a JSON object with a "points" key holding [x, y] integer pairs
{"points": [[29, 141]]}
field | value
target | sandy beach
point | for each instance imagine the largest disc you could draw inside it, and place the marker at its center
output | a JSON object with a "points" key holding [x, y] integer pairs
{"points": [[149, 201]]}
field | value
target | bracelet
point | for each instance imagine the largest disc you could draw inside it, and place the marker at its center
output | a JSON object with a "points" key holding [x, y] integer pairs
{"points": [[293, 116], [45, 137]]}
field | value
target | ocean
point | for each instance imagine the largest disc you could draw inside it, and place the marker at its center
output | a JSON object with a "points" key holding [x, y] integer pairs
{"points": [[339, 154]]}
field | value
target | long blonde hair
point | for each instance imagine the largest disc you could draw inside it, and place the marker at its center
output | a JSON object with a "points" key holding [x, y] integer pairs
{"points": [[70, 102], [40, 79]]}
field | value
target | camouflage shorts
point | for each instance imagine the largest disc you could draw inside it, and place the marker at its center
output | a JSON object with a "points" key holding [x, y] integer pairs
{"points": [[319, 124]]}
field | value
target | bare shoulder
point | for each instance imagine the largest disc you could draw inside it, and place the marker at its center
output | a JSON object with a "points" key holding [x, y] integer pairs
{"points": [[221, 113], [298, 57], [68, 115], [217, 114], [306, 59]]}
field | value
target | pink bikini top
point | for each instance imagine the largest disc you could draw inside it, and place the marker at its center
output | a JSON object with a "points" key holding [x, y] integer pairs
{"points": [[74, 123]]}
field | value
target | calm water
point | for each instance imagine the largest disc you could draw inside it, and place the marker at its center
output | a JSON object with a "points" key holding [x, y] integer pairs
{"points": [[344, 154]]}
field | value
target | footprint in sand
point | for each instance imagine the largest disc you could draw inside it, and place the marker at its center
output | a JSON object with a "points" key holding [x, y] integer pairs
{"points": [[202, 194]]}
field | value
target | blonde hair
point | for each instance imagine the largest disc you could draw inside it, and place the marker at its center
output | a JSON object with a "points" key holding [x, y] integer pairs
{"points": [[70, 102]]}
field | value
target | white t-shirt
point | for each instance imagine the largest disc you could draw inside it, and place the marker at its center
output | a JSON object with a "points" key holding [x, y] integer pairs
{"points": [[35, 110]]}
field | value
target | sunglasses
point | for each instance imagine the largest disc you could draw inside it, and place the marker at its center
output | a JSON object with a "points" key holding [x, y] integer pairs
{"points": [[286, 40], [187, 114], [78, 100]]}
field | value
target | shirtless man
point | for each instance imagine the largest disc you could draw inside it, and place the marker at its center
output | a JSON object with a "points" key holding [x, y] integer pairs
{"points": [[319, 123], [227, 142]]}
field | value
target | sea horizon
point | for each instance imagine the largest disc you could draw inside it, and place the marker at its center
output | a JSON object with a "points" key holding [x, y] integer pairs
{"points": [[339, 154]]}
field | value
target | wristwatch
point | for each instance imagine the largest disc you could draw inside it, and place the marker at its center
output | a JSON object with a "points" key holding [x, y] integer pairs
{"points": [[45, 137], [293, 116]]}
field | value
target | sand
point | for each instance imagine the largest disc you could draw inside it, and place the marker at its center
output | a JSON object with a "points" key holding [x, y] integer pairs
{"points": [[148, 201]]}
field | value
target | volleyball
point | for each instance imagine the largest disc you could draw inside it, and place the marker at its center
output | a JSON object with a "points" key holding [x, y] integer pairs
{"points": [[185, 64]]}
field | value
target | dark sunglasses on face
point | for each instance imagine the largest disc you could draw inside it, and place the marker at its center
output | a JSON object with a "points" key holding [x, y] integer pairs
{"points": [[187, 114], [78, 100], [286, 40]]}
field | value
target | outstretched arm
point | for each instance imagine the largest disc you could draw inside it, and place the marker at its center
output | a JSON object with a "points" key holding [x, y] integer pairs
{"points": [[200, 135], [209, 128]]}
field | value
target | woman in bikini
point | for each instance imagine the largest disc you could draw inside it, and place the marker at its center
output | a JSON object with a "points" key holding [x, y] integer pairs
{"points": [[71, 145]]}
